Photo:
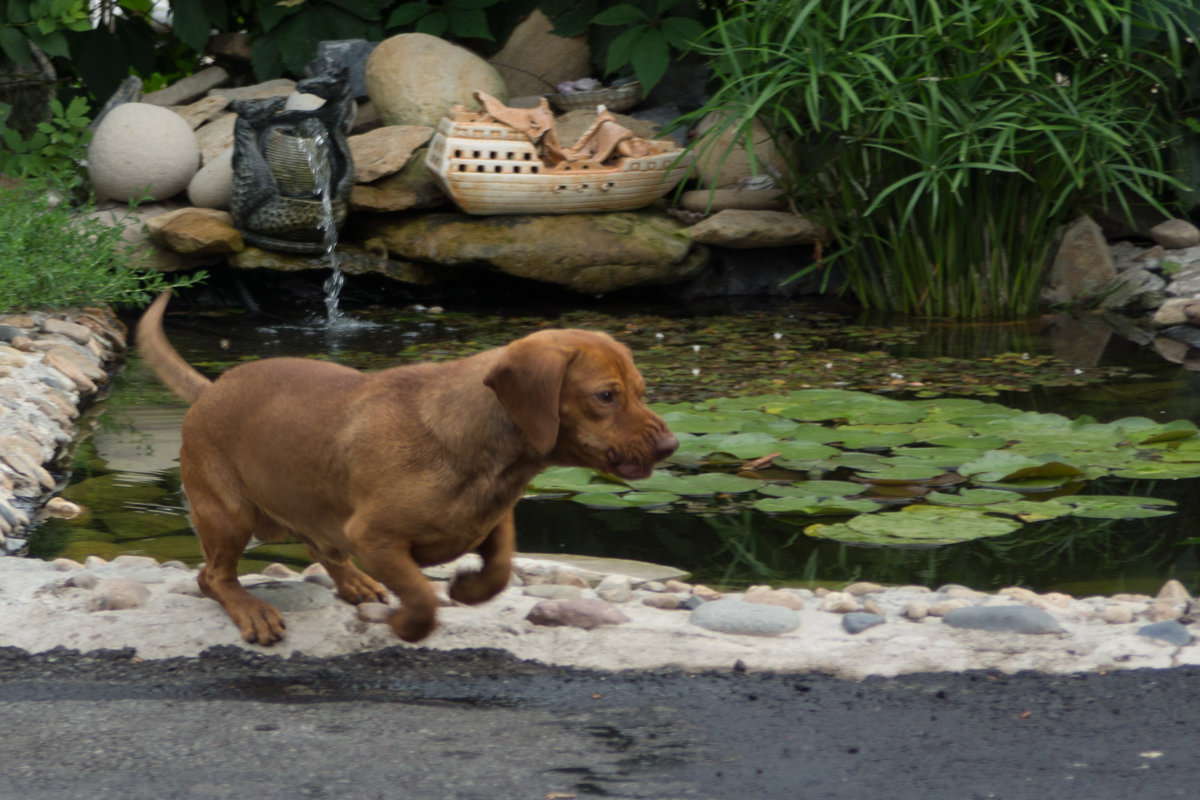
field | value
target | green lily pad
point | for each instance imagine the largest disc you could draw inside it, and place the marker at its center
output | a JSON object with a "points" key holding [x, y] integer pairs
{"points": [[815, 506], [1033, 510], [747, 445], [853, 407], [1100, 506], [1007, 466], [969, 497], [903, 474], [813, 489], [1151, 470], [573, 479], [606, 500], [1178, 429], [917, 525], [696, 485]]}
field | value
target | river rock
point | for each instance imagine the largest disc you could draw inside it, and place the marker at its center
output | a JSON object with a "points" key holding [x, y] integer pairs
{"points": [[216, 137], [291, 595], [414, 79], [1171, 632], [196, 231], [615, 589], [1175, 233], [774, 597], [203, 111], [586, 613], [723, 160], [1003, 619], [141, 149], [859, 621], [212, 186], [751, 619], [119, 594], [595, 253], [188, 88], [1134, 290], [534, 60], [710, 201], [383, 151]]}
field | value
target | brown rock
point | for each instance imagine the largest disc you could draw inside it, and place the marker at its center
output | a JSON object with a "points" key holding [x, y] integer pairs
{"points": [[1083, 263], [202, 111], [586, 613], [774, 597], [56, 360], [667, 600], [713, 200], [215, 137], [534, 61], [412, 187], [1175, 233], [742, 229], [723, 159], [196, 231], [383, 151]]}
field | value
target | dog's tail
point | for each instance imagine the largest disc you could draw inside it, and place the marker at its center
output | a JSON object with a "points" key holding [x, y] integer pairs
{"points": [[180, 377]]}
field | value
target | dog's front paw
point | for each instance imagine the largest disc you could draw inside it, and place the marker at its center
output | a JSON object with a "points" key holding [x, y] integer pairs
{"points": [[474, 588]]}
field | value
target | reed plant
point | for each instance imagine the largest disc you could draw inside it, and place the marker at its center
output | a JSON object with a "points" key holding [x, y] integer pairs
{"points": [[946, 142]]}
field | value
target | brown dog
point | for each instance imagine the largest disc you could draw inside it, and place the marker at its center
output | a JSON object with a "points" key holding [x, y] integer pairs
{"points": [[400, 469]]}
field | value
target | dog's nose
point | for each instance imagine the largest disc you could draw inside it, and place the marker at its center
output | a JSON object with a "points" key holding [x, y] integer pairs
{"points": [[664, 445]]}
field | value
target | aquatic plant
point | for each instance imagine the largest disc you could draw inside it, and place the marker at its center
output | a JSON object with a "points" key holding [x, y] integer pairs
{"points": [[898, 472], [945, 143]]}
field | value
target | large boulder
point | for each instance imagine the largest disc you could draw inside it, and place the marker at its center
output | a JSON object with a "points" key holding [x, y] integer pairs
{"points": [[722, 159], [414, 78], [534, 60], [141, 149], [594, 253]]}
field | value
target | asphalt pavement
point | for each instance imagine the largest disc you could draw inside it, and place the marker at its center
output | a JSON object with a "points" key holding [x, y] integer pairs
{"points": [[412, 723]]}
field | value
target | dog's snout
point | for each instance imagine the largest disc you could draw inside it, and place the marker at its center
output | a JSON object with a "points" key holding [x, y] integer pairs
{"points": [[665, 444]]}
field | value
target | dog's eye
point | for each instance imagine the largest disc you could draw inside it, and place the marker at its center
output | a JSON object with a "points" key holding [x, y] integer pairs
{"points": [[607, 396]]}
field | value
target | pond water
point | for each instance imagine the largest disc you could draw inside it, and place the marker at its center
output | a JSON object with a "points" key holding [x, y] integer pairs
{"points": [[125, 471]]}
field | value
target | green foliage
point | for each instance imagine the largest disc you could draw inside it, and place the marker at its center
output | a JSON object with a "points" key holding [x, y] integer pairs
{"points": [[459, 19], [961, 469], [647, 38], [946, 142], [56, 148], [54, 255], [43, 24]]}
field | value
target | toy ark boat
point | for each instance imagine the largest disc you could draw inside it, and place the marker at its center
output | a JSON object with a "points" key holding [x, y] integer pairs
{"points": [[505, 160]]}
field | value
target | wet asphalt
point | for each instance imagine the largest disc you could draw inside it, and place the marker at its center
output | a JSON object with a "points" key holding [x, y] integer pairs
{"points": [[411, 723]]}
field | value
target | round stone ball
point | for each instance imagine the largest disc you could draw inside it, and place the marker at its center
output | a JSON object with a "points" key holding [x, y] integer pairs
{"points": [[142, 150], [414, 79], [212, 186]]}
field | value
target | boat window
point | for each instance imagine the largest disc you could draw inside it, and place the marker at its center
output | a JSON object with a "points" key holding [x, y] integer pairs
{"points": [[535, 169]]}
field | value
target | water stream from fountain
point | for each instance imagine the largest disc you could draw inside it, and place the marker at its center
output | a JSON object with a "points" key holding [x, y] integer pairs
{"points": [[314, 140]]}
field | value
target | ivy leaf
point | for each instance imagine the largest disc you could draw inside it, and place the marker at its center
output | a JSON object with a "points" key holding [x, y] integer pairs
{"points": [[469, 23], [621, 49], [407, 14], [623, 14], [682, 33], [651, 57], [14, 45], [434, 23]]}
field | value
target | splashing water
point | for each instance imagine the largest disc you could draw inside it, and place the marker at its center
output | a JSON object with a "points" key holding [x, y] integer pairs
{"points": [[314, 141]]}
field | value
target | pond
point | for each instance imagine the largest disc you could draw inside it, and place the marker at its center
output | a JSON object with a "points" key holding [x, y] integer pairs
{"points": [[125, 472]]}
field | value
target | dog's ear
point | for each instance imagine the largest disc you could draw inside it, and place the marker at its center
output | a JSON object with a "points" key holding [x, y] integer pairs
{"points": [[528, 381]]}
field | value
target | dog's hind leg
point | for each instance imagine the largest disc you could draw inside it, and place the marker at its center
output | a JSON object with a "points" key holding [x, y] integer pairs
{"points": [[496, 550], [224, 533]]}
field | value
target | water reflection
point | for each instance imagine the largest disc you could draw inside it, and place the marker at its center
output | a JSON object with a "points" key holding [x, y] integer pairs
{"points": [[126, 473]]}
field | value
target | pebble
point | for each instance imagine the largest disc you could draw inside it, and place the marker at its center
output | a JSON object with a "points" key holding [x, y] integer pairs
{"points": [[119, 594], [861, 588], [859, 621], [1161, 611], [916, 610], [665, 600], [677, 586], [1117, 614], [615, 589], [944, 607], [839, 603], [1171, 632], [586, 613], [750, 619], [282, 571], [1173, 592], [1006, 619], [774, 597], [705, 593], [554, 591], [291, 595], [374, 612]]}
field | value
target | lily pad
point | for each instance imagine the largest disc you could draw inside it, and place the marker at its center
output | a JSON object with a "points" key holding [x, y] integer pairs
{"points": [[604, 500], [1007, 466], [853, 407], [1100, 506], [813, 489], [917, 525], [969, 497], [815, 506]]}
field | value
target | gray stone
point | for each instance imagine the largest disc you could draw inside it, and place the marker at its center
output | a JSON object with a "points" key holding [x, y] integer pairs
{"points": [[1171, 632], [291, 595], [859, 621], [1002, 619], [751, 619], [119, 594], [1136, 289], [187, 89], [1082, 265], [615, 589]]}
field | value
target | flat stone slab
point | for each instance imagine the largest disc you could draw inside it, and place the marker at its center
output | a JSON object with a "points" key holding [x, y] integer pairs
{"points": [[1171, 632], [292, 595]]}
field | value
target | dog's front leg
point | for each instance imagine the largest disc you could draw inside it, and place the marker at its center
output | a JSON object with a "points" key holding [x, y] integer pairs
{"points": [[496, 550], [391, 562]]}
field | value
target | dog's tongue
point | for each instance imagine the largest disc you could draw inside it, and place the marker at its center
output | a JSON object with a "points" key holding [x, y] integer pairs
{"points": [[632, 470]]}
